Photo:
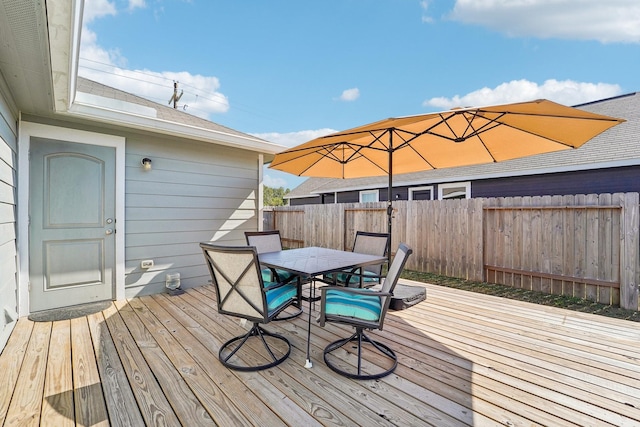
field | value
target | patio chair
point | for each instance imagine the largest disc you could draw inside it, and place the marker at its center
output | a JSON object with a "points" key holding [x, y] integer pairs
{"points": [[362, 308], [241, 292], [365, 243], [270, 241]]}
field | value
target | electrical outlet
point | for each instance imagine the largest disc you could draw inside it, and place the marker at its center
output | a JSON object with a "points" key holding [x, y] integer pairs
{"points": [[147, 263]]}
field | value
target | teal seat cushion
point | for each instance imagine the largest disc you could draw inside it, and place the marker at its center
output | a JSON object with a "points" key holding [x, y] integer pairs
{"points": [[354, 280], [363, 307], [278, 296], [283, 274]]}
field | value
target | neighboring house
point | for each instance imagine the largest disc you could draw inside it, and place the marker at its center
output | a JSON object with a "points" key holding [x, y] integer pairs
{"points": [[608, 163], [79, 213]]}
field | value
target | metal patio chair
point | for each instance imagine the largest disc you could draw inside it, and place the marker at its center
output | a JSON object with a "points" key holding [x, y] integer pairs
{"points": [[364, 243], [362, 309], [241, 292], [271, 241]]}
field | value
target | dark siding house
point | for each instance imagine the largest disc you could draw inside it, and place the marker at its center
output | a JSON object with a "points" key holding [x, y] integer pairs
{"points": [[608, 163]]}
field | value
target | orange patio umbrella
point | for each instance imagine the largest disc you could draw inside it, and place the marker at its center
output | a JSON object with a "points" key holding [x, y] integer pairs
{"points": [[458, 137]]}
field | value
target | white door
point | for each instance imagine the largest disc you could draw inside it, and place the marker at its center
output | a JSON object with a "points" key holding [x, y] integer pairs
{"points": [[72, 224]]}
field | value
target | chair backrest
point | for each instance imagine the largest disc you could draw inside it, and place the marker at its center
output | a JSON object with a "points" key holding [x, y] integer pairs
{"points": [[264, 241], [390, 281], [371, 244], [235, 273]]}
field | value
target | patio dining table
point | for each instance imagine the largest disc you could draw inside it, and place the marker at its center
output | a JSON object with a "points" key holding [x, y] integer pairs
{"points": [[312, 262]]}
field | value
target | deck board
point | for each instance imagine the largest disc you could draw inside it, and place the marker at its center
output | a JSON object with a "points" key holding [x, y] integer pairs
{"points": [[464, 359], [57, 401]]}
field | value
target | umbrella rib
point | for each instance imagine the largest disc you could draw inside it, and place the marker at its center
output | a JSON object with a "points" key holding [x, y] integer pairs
{"points": [[328, 153], [407, 143]]}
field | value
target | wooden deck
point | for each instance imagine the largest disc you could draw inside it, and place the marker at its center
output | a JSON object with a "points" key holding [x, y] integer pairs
{"points": [[465, 359]]}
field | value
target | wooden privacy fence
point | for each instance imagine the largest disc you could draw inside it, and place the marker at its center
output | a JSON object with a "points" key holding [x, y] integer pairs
{"points": [[581, 245]]}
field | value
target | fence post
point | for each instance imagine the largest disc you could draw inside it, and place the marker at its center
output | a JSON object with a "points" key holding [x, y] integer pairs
{"points": [[629, 256]]}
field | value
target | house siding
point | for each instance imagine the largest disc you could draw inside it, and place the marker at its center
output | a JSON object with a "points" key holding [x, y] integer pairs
{"points": [[612, 180], [625, 179], [8, 177], [195, 192], [306, 201]]}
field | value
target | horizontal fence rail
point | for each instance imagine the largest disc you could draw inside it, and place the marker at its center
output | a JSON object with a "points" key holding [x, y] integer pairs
{"points": [[580, 245]]}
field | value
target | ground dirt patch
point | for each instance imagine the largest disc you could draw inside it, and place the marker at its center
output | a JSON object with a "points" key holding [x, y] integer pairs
{"points": [[560, 301]]}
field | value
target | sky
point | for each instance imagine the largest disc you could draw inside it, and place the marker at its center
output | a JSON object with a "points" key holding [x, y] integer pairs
{"points": [[289, 70]]}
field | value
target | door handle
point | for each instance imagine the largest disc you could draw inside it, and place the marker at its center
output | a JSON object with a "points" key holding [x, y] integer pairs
{"points": [[108, 231]]}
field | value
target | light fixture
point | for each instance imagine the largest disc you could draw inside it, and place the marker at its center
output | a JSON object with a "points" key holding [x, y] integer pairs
{"points": [[146, 163]]}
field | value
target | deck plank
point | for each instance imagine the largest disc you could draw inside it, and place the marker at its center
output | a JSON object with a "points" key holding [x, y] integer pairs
{"points": [[90, 406], [57, 402], [161, 392], [228, 384], [194, 321], [219, 406], [123, 409], [10, 362], [26, 403]]}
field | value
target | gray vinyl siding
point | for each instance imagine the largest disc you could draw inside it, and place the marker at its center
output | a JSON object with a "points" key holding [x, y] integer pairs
{"points": [[8, 178], [195, 192]]}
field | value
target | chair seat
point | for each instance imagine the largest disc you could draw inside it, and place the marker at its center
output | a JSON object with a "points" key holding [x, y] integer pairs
{"points": [[279, 296], [354, 279], [362, 307], [284, 275]]}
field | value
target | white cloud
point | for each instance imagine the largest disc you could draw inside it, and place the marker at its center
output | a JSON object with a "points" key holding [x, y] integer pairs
{"points": [[607, 21], [292, 139], [97, 9], [350, 94], [424, 4], [565, 92], [201, 93], [137, 4]]}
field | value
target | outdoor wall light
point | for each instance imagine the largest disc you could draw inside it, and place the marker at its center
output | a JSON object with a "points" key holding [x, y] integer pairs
{"points": [[146, 163]]}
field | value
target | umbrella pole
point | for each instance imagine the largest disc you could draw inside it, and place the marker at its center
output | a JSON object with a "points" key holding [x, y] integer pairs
{"points": [[389, 199]]}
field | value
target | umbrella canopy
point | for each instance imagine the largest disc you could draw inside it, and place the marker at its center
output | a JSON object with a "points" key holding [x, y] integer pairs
{"points": [[459, 137]]}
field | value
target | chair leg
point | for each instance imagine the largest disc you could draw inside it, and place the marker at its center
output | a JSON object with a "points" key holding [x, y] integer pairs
{"points": [[293, 315], [255, 331], [360, 338]]}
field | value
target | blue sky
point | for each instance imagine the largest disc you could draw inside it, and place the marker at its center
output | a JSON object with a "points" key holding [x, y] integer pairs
{"points": [[290, 70]]}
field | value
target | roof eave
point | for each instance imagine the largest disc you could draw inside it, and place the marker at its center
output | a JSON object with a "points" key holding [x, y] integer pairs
{"points": [[139, 122]]}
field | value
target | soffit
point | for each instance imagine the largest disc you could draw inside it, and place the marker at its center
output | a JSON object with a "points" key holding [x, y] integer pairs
{"points": [[24, 54]]}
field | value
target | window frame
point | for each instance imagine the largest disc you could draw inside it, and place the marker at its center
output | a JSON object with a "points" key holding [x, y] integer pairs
{"points": [[465, 184], [423, 188], [362, 193]]}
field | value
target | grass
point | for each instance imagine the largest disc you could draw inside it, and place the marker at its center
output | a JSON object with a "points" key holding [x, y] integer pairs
{"points": [[561, 301]]}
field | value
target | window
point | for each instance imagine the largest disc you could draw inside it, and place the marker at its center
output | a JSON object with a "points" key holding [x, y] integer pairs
{"points": [[369, 196], [421, 193], [454, 190]]}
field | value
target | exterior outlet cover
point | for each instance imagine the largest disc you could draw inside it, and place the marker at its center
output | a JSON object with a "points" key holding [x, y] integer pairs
{"points": [[147, 263]]}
